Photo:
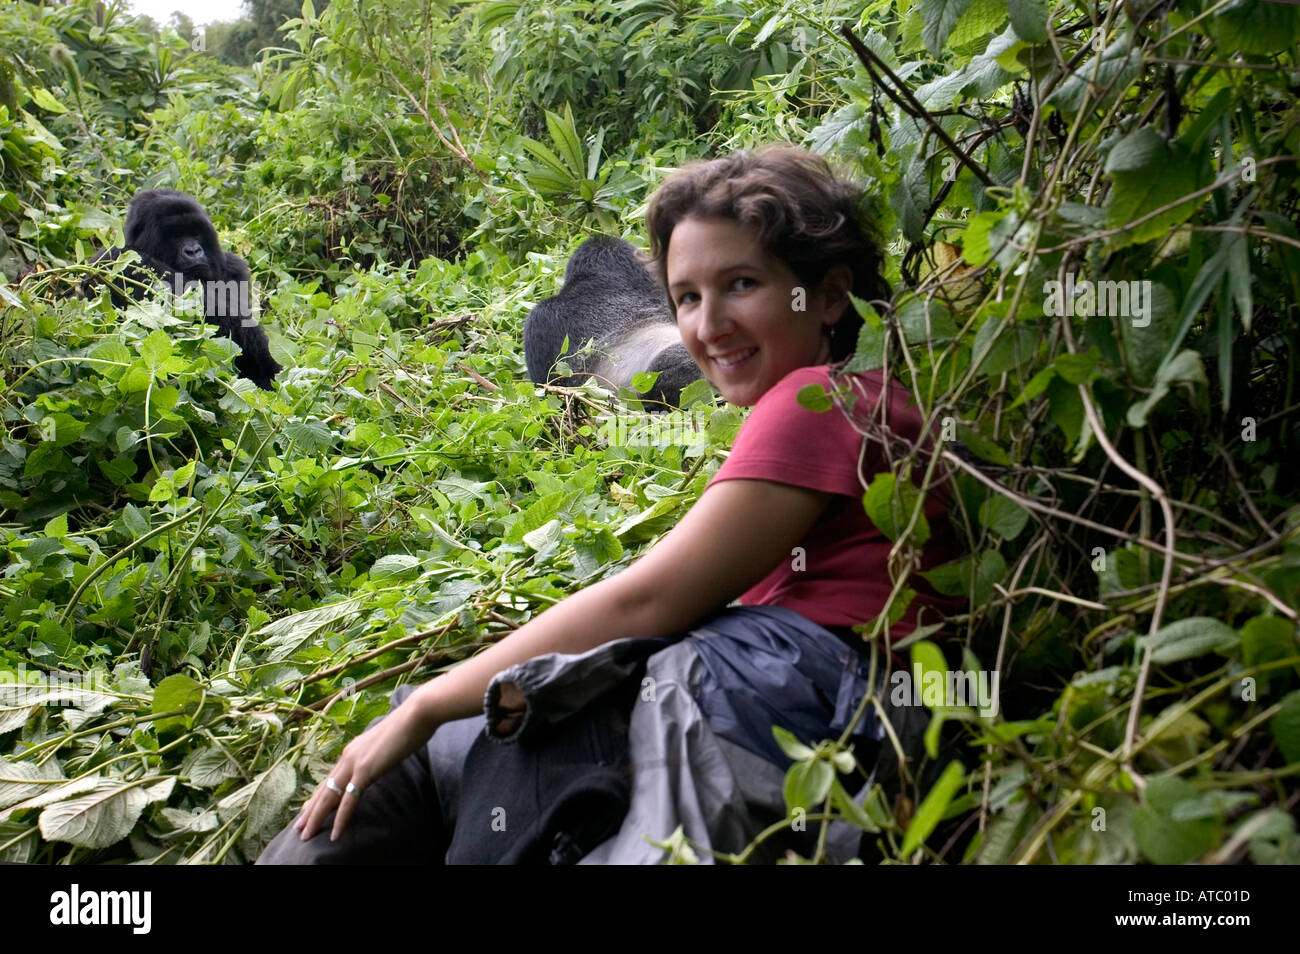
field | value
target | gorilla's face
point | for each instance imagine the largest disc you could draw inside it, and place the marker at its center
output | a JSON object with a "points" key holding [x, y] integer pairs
{"points": [[191, 259], [168, 228]]}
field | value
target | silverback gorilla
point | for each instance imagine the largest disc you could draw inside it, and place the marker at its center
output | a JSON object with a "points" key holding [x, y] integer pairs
{"points": [[609, 298], [176, 241]]}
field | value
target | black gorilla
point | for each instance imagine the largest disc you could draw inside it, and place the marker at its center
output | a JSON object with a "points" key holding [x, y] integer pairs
{"points": [[176, 241], [610, 298]]}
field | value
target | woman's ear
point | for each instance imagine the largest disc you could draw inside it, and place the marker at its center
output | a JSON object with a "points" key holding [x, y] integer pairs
{"points": [[836, 284]]}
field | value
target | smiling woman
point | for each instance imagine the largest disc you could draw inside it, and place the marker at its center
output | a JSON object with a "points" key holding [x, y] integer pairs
{"points": [[612, 738], [733, 304]]}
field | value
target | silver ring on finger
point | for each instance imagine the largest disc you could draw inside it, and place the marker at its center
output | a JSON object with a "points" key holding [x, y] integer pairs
{"points": [[333, 786], [354, 790]]}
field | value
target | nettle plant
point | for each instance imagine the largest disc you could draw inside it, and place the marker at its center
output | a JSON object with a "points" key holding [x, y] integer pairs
{"points": [[1091, 219], [1095, 210]]}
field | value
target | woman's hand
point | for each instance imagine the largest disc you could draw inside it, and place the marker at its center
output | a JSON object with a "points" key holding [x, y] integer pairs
{"points": [[364, 759], [734, 535]]}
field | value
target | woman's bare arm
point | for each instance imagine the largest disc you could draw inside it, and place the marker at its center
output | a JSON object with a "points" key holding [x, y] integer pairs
{"points": [[729, 540], [733, 537]]}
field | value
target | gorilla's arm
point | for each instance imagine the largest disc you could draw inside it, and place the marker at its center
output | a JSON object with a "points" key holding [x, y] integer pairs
{"points": [[232, 302]]}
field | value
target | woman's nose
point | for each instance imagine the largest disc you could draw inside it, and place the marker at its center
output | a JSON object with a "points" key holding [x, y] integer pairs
{"points": [[714, 320]]}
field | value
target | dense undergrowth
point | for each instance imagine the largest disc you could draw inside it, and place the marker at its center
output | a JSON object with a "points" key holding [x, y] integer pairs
{"points": [[207, 588]]}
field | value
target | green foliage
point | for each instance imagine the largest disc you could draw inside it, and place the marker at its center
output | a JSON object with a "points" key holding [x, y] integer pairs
{"points": [[1122, 300], [238, 579]]}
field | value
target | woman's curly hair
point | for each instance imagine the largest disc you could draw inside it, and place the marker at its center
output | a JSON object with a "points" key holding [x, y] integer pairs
{"points": [[801, 212]]}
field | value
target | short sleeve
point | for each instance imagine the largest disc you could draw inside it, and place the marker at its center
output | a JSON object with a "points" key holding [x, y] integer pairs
{"points": [[783, 441]]}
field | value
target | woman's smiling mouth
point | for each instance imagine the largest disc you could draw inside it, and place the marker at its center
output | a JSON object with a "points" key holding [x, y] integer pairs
{"points": [[732, 359]]}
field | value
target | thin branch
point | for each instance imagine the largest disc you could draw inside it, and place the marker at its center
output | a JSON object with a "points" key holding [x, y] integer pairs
{"points": [[912, 106]]}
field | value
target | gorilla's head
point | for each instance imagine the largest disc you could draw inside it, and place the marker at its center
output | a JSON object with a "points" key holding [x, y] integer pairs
{"points": [[172, 228]]}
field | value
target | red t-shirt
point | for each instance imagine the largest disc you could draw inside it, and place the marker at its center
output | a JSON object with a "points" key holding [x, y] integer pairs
{"points": [[841, 578]]}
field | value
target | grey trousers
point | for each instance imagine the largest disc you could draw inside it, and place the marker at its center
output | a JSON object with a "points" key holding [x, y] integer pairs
{"points": [[404, 818]]}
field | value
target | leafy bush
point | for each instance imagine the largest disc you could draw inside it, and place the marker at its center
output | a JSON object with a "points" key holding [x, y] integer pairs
{"points": [[238, 579]]}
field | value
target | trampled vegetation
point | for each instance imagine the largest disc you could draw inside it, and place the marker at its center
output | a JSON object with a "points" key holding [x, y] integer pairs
{"points": [[1091, 212]]}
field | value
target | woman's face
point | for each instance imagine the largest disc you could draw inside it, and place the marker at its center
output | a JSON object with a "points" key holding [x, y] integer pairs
{"points": [[738, 312]]}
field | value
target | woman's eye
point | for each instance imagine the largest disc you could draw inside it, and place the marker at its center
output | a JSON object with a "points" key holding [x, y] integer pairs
{"points": [[743, 282]]}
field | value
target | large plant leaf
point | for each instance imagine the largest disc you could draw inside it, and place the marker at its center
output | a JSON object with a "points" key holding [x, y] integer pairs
{"points": [[98, 818]]}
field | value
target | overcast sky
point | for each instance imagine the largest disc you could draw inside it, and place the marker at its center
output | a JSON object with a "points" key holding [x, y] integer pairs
{"points": [[200, 11]]}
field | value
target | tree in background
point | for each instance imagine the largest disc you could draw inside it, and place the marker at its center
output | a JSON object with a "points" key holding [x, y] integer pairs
{"points": [[246, 38]]}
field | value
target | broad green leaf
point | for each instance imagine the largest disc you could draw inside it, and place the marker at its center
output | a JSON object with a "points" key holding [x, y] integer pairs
{"points": [[46, 101], [156, 349], [1188, 639], [396, 566], [1266, 638], [1165, 840], [18, 842], [1147, 173], [1186, 367], [987, 72], [120, 470], [1000, 347], [975, 240], [162, 401], [1211, 804], [911, 197], [196, 822], [869, 352], [969, 575], [932, 808], [96, 819], [1005, 831], [262, 799], [23, 780], [161, 790], [547, 535], [208, 767], [311, 435], [177, 691], [923, 319], [1146, 336], [1076, 368], [1003, 516], [942, 92], [979, 19], [813, 397], [1029, 19], [59, 793], [1255, 26], [595, 550], [272, 792], [939, 17], [982, 447], [111, 351], [1119, 66], [1285, 727], [889, 504], [930, 658], [807, 784], [58, 527], [651, 522], [182, 476], [282, 636], [1274, 842]]}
